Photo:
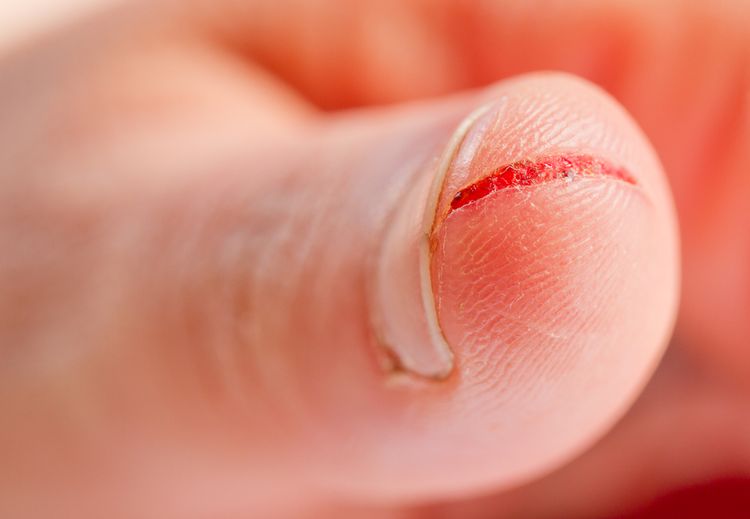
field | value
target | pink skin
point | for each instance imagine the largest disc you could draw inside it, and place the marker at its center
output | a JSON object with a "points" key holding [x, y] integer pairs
{"points": [[188, 247]]}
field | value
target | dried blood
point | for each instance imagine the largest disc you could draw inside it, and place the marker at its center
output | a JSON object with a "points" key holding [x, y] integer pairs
{"points": [[527, 173]]}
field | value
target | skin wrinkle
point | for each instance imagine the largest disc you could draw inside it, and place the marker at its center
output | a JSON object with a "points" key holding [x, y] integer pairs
{"points": [[279, 240], [270, 242], [476, 261], [479, 299], [488, 322]]}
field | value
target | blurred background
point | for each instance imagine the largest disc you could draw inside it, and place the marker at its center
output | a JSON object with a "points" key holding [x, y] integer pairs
{"points": [[19, 20]]}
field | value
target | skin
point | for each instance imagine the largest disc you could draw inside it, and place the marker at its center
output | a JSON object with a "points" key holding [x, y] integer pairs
{"points": [[191, 201]]}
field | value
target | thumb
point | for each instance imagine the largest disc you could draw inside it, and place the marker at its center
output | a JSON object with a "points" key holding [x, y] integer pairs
{"points": [[482, 291], [389, 304]]}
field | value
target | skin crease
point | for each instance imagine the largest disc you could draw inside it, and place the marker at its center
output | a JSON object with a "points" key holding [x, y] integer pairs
{"points": [[93, 226]]}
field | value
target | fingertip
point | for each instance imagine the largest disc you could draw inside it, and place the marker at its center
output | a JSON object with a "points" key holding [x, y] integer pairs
{"points": [[556, 279], [555, 282]]}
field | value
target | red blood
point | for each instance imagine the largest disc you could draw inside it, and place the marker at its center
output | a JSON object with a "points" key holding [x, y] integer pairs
{"points": [[527, 173]]}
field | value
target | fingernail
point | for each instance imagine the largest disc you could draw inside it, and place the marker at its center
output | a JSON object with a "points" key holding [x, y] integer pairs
{"points": [[404, 312]]}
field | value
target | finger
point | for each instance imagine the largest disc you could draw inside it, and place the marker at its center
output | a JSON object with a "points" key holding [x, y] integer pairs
{"points": [[241, 325], [696, 72]]}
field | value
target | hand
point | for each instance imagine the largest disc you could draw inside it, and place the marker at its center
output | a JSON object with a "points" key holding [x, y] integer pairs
{"points": [[225, 290]]}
